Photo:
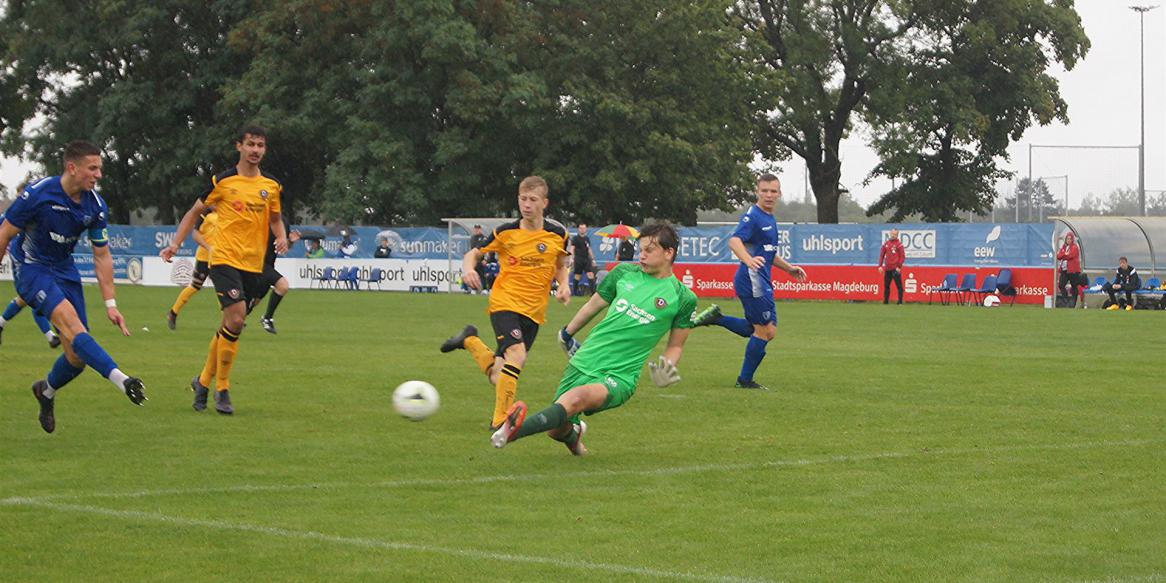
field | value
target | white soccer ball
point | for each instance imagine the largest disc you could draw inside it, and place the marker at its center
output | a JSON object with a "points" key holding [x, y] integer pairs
{"points": [[991, 301], [416, 400]]}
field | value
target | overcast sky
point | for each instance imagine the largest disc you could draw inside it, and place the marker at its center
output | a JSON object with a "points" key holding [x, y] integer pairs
{"points": [[1103, 97]]}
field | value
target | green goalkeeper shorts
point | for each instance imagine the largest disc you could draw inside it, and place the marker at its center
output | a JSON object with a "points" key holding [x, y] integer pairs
{"points": [[619, 391]]}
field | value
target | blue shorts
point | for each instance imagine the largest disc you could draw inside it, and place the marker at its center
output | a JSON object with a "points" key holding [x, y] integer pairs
{"points": [[760, 310], [42, 289]]}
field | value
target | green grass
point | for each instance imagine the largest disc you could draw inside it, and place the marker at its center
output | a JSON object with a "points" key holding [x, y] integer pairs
{"points": [[918, 443]]}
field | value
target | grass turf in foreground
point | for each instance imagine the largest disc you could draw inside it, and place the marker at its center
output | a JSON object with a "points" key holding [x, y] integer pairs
{"points": [[900, 443]]}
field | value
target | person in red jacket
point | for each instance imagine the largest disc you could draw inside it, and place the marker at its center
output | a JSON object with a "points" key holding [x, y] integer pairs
{"points": [[891, 258], [1069, 269]]}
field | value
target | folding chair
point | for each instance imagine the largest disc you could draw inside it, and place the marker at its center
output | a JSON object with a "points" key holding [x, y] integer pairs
{"points": [[1004, 286], [966, 286], [988, 287], [950, 281], [375, 275], [328, 275]]}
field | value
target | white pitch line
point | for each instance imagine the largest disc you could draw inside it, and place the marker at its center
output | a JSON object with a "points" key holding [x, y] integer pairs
{"points": [[566, 564], [587, 474]]}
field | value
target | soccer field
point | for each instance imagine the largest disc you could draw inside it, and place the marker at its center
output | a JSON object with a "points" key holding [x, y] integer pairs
{"points": [[920, 443]]}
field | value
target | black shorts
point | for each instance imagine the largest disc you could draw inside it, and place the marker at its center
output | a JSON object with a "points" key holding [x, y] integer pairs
{"points": [[584, 266], [270, 276], [235, 285], [512, 328], [201, 270]]}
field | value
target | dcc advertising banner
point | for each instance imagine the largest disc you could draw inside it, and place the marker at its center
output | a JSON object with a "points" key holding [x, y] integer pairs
{"points": [[864, 283]]}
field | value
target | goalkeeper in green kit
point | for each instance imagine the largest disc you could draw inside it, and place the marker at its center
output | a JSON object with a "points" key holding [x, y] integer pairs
{"points": [[646, 302]]}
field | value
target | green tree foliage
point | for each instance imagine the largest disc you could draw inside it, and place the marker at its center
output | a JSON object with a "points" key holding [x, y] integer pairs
{"points": [[392, 111], [972, 83], [141, 79], [944, 84]]}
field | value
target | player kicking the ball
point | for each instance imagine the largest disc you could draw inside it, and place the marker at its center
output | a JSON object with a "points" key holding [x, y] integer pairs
{"points": [[646, 301]]}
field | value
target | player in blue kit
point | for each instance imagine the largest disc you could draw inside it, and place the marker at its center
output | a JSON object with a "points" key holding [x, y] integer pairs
{"points": [[45, 223], [754, 242]]}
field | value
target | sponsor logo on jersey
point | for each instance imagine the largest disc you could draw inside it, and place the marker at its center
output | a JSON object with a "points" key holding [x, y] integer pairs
{"points": [[661, 303], [622, 306], [542, 247], [263, 194], [61, 208]]}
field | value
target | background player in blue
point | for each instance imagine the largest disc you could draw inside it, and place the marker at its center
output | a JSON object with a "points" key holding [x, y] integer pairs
{"points": [[754, 242], [46, 221]]}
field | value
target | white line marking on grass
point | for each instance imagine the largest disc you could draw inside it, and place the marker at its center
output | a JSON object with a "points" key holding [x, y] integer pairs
{"points": [[567, 564], [591, 473], [1152, 577]]}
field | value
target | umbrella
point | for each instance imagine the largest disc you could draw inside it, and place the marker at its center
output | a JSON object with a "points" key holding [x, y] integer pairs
{"points": [[309, 234], [619, 231]]}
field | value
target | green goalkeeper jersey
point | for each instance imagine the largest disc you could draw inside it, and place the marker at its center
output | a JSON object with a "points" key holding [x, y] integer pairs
{"points": [[643, 309]]}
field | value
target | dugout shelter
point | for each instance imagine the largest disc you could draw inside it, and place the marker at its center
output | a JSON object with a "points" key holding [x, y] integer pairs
{"points": [[1142, 240]]}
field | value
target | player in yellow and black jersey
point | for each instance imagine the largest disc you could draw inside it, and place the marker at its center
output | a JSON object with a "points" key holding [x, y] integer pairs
{"points": [[204, 234], [532, 253], [247, 202]]}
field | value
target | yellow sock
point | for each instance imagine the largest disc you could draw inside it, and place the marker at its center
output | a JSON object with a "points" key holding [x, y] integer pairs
{"points": [[481, 353], [228, 348], [183, 297], [207, 376], [505, 391]]}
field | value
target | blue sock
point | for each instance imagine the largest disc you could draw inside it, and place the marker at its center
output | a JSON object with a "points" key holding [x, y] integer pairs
{"points": [[93, 354], [62, 372], [41, 322], [754, 354], [739, 326], [11, 311]]}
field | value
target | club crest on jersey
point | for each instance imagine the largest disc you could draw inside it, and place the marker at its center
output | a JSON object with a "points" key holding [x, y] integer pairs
{"points": [[512, 260], [661, 303], [542, 247], [263, 194], [237, 205]]}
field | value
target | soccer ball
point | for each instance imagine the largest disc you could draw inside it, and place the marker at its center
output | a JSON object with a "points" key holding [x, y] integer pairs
{"points": [[991, 301], [416, 400]]}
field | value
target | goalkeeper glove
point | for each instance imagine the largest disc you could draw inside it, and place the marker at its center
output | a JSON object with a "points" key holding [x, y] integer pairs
{"points": [[663, 372], [568, 342]]}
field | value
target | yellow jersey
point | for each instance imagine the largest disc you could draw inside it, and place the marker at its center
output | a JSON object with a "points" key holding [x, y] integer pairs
{"points": [[528, 261], [244, 205], [208, 223]]}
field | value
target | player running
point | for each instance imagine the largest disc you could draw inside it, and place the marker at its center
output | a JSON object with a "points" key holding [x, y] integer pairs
{"points": [[247, 201], [44, 224], [754, 242], [14, 308], [646, 302], [532, 252], [204, 235]]}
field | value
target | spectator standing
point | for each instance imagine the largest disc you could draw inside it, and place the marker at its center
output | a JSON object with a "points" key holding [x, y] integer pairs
{"points": [[348, 247], [478, 240], [1127, 280], [626, 250], [1069, 269], [383, 250], [891, 258]]}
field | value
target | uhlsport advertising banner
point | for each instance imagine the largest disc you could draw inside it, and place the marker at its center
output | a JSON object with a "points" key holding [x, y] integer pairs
{"points": [[927, 244]]}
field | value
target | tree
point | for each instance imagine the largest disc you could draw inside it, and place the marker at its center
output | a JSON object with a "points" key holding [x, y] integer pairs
{"points": [[392, 112], [916, 71], [146, 89], [976, 81]]}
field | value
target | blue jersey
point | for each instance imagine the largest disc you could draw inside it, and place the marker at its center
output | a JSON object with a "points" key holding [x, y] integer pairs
{"points": [[51, 224], [758, 230]]}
